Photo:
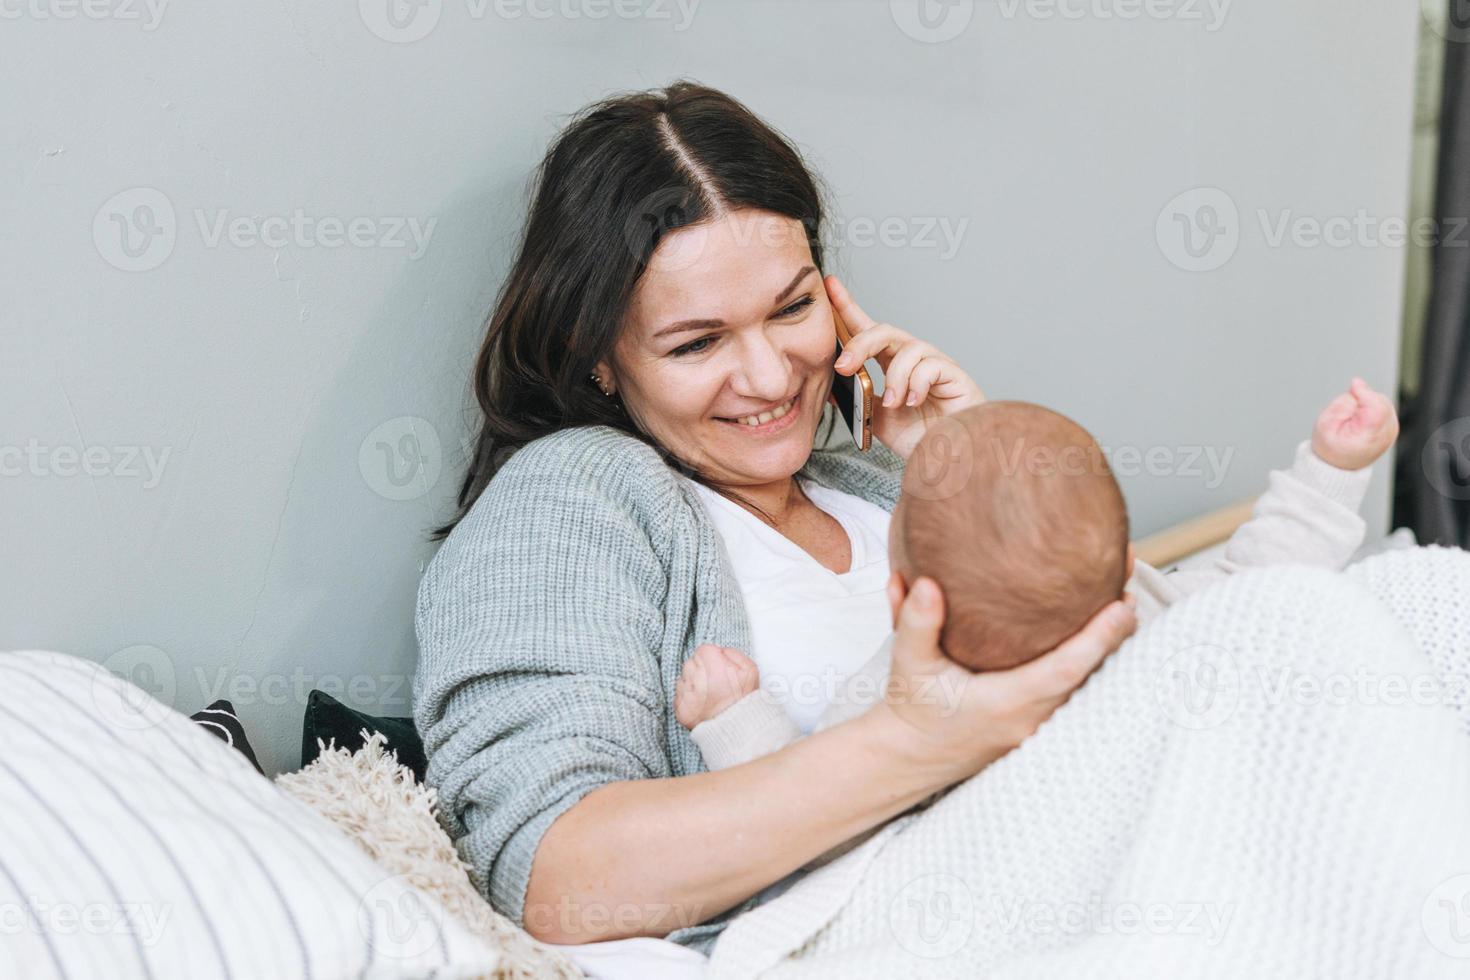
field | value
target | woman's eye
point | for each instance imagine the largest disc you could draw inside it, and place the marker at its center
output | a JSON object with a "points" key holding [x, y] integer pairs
{"points": [[796, 307], [703, 343], [694, 346]]}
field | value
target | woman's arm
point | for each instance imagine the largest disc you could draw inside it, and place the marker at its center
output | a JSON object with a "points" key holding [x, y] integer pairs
{"points": [[646, 857], [649, 856]]}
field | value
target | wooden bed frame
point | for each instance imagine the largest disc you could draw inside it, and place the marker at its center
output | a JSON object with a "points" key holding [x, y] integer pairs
{"points": [[1176, 543]]}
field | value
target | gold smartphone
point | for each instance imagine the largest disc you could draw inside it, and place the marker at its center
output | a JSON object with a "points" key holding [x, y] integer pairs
{"points": [[854, 393]]}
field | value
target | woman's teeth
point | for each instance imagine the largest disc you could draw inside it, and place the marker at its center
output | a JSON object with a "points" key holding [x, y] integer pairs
{"points": [[765, 417]]}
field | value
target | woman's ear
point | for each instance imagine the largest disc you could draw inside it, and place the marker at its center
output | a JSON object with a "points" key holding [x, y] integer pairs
{"points": [[603, 375]]}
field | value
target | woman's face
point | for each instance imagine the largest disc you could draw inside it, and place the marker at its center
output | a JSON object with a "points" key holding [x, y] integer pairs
{"points": [[726, 352]]}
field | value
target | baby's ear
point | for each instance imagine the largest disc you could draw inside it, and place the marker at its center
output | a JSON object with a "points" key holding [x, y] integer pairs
{"points": [[1128, 563]]}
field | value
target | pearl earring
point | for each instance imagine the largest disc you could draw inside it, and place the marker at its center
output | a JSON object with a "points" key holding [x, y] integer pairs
{"points": [[598, 381]]}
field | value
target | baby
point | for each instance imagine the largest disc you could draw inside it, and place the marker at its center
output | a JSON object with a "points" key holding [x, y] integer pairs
{"points": [[1013, 510]]}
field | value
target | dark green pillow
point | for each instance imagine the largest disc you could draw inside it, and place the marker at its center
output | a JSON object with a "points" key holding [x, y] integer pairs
{"points": [[328, 719]]}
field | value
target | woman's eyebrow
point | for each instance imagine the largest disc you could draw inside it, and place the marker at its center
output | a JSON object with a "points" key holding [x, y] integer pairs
{"points": [[805, 271], [684, 326]]}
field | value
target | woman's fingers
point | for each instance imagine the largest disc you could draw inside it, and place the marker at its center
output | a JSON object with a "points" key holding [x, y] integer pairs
{"points": [[879, 342], [980, 717], [896, 594], [897, 374], [923, 378], [857, 321], [920, 619], [1061, 671]]}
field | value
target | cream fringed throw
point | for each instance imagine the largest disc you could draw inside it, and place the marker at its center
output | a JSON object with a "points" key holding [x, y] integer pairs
{"points": [[1266, 782], [376, 802]]}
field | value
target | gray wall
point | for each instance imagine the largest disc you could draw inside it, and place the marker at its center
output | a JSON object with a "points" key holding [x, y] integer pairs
{"points": [[286, 390]]}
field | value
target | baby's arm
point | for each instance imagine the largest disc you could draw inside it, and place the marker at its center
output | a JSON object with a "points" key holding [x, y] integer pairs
{"points": [[1309, 514], [718, 698]]}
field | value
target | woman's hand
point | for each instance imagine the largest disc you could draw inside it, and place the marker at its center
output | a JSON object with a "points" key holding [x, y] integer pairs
{"points": [[967, 720], [919, 382]]}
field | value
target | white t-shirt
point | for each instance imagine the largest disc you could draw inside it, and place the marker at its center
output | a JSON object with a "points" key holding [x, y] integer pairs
{"points": [[810, 627]]}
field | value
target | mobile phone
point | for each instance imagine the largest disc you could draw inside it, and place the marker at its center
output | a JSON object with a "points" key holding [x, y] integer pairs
{"points": [[854, 393]]}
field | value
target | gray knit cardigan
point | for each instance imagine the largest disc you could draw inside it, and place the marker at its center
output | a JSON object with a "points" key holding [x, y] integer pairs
{"points": [[552, 625]]}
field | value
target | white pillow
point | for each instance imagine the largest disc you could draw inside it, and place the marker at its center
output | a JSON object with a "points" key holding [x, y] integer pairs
{"points": [[133, 844]]}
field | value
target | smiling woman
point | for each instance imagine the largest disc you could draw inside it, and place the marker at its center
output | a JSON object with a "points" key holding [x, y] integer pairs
{"points": [[659, 364], [664, 247]]}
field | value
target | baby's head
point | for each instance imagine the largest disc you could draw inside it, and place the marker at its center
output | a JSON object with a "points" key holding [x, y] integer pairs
{"points": [[1013, 510]]}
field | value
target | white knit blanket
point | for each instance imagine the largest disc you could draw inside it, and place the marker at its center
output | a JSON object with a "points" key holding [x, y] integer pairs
{"points": [[1269, 781]]}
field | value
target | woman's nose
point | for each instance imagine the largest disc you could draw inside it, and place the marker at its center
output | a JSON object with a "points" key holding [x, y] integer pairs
{"points": [[764, 372]]}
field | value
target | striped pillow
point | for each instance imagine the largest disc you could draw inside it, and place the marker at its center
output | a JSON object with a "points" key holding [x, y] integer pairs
{"points": [[136, 845]]}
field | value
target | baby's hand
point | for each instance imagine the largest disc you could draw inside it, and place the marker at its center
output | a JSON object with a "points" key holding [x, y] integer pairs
{"points": [[1356, 428], [713, 678]]}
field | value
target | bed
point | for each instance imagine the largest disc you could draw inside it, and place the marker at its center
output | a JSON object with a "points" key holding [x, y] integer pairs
{"points": [[78, 734]]}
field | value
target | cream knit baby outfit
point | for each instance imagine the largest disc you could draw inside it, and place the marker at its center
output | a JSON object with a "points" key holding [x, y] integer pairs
{"points": [[1307, 516]]}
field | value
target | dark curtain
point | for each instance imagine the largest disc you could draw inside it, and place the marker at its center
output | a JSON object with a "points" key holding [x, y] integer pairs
{"points": [[1433, 472]]}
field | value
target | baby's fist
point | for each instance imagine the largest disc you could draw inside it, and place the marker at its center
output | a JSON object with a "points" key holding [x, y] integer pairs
{"points": [[713, 678], [1356, 428]]}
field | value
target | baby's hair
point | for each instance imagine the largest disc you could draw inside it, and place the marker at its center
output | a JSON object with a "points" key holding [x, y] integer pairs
{"points": [[1027, 534]]}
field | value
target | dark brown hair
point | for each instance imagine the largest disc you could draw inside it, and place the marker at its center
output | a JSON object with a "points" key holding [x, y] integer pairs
{"points": [[621, 175]]}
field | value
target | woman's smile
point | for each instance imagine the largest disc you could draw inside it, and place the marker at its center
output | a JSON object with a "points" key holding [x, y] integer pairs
{"points": [[773, 420]]}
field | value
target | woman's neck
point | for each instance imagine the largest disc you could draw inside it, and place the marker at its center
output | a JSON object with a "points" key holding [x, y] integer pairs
{"points": [[775, 502]]}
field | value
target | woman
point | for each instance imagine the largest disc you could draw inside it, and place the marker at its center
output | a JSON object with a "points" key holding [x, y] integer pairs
{"points": [[660, 363]]}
